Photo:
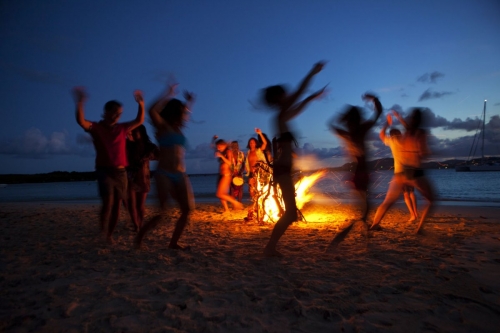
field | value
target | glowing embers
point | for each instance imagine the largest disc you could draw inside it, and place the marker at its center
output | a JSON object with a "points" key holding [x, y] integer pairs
{"points": [[270, 205]]}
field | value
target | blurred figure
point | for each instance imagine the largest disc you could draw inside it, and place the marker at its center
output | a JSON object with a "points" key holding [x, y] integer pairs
{"points": [[225, 156], [287, 108], [109, 138], [237, 166], [140, 150], [169, 116], [413, 149], [354, 136]]}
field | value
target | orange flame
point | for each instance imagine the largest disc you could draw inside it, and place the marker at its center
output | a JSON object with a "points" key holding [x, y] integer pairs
{"points": [[270, 202]]}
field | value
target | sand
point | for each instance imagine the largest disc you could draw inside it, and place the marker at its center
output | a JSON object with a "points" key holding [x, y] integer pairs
{"points": [[57, 276]]}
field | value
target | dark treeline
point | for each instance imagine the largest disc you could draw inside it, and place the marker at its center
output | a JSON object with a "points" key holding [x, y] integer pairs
{"points": [[65, 176]]}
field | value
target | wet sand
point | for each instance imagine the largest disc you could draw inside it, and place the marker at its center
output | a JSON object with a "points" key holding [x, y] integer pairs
{"points": [[57, 276]]}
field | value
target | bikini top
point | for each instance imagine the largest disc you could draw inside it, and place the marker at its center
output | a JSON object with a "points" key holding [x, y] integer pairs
{"points": [[172, 139]]}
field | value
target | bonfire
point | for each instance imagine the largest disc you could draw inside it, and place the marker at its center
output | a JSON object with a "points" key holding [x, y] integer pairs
{"points": [[269, 202]]}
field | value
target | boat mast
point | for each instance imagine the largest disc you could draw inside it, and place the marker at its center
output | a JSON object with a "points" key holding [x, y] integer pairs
{"points": [[482, 144]]}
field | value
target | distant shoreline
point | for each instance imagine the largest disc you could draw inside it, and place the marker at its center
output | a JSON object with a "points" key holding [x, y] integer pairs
{"points": [[74, 176]]}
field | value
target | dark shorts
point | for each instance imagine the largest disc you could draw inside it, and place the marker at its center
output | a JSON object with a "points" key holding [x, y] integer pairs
{"points": [[412, 173], [360, 180], [408, 189], [112, 181]]}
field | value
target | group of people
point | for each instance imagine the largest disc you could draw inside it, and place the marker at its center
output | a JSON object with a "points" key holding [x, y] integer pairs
{"points": [[124, 177], [235, 164]]}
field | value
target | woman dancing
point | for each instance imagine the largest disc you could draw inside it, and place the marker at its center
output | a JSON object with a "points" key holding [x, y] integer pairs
{"points": [[169, 116], [225, 156], [287, 108]]}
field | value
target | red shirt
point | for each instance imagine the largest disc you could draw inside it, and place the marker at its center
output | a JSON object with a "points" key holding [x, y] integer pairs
{"points": [[109, 143]]}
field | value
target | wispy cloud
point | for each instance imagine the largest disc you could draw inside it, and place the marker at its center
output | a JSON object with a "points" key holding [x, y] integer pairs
{"points": [[428, 94], [430, 77]]}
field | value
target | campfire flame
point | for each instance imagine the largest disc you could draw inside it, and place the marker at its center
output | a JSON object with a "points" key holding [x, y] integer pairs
{"points": [[270, 202]]}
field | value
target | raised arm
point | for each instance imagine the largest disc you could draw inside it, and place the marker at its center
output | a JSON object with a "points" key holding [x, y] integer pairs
{"points": [[293, 112], [80, 97], [382, 134], [263, 138], [304, 84], [401, 120], [140, 112], [377, 108]]}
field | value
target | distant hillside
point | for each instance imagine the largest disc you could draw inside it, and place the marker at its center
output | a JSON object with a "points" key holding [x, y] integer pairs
{"points": [[64, 176], [56, 176]]}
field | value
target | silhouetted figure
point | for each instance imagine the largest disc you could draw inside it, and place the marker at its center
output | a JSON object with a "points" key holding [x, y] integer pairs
{"points": [[413, 147], [169, 117], [140, 150], [109, 138], [287, 108], [353, 133]]}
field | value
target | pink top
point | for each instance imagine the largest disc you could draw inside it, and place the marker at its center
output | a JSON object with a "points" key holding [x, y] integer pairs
{"points": [[110, 143]]}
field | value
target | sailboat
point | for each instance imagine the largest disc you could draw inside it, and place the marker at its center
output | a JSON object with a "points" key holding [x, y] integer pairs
{"points": [[482, 165]]}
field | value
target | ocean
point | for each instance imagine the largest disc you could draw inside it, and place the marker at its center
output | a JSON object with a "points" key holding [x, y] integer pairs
{"points": [[454, 188]]}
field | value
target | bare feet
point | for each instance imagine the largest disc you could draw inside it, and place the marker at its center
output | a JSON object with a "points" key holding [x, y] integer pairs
{"points": [[238, 206], [376, 227], [178, 247], [270, 253], [413, 218], [110, 240], [137, 243]]}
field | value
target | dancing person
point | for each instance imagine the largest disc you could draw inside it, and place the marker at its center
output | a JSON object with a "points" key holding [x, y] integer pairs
{"points": [[255, 155], [354, 135], [225, 156], [109, 138], [169, 116], [237, 166], [140, 150], [413, 149], [394, 142], [287, 108]]}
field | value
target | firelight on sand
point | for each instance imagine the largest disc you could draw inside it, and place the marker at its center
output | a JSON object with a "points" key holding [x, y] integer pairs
{"points": [[270, 202]]}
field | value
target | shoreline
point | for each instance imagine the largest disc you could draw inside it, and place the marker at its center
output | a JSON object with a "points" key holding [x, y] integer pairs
{"points": [[57, 276]]}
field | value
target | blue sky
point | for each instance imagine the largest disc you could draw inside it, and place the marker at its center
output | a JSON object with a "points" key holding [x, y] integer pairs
{"points": [[442, 55]]}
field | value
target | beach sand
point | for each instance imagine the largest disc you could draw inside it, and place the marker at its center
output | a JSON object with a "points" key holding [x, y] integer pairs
{"points": [[58, 276]]}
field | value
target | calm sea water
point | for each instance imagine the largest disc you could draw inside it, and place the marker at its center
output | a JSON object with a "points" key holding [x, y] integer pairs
{"points": [[477, 188]]}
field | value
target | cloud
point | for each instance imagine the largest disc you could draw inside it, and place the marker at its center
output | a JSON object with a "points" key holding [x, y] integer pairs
{"points": [[496, 104], [428, 94], [34, 144], [430, 77]]}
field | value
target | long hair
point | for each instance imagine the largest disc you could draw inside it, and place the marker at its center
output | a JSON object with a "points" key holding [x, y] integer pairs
{"points": [[272, 95], [173, 113]]}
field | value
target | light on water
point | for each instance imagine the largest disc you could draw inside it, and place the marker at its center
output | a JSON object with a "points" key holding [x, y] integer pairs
{"points": [[481, 188]]}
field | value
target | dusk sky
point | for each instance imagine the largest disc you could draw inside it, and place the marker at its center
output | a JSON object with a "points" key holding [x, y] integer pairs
{"points": [[439, 54]]}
